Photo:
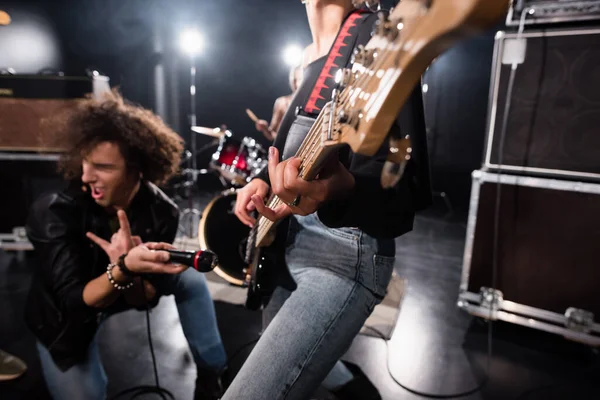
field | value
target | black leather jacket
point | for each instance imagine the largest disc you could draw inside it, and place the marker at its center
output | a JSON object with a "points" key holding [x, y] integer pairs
{"points": [[68, 260]]}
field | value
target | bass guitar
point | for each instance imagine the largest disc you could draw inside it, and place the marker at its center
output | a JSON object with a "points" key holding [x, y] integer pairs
{"points": [[362, 110]]}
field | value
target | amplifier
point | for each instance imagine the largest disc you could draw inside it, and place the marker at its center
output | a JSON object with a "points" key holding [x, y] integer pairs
{"points": [[27, 166], [552, 11], [554, 114], [25, 177], [547, 274], [26, 101]]}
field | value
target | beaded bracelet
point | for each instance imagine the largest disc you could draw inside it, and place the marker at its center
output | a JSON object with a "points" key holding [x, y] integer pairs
{"points": [[112, 280], [126, 271]]}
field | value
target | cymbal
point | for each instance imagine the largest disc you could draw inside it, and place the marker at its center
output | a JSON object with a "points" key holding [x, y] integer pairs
{"points": [[214, 132]]}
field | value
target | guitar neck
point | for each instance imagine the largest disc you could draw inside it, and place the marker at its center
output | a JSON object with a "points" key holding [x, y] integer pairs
{"points": [[313, 155], [384, 73]]}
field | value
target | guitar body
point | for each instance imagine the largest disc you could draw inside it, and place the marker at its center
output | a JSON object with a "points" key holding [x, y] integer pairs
{"points": [[267, 261]]}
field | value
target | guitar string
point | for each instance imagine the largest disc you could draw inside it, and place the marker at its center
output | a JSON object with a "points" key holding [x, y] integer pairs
{"points": [[380, 59], [309, 145], [307, 153], [383, 55], [309, 141], [276, 201]]}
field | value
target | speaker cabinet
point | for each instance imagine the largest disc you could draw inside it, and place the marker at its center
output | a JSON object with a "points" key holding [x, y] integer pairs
{"points": [[27, 101], [24, 178], [554, 117], [545, 273], [27, 169], [552, 11]]}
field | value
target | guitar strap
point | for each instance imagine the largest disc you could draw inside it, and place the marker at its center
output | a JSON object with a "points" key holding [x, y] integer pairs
{"points": [[339, 56]]}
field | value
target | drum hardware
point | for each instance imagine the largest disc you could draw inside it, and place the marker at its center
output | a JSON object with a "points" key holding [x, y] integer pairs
{"points": [[238, 161], [235, 161], [188, 220], [15, 241], [221, 232], [191, 215], [192, 156]]}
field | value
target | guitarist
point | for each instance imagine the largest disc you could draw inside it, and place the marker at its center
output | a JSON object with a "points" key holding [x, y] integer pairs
{"points": [[340, 241]]}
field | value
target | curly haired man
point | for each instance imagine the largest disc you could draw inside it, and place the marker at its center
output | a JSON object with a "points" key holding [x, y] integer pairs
{"points": [[115, 155]]}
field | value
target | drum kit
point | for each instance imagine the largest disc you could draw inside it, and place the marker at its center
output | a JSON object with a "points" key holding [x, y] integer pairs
{"points": [[235, 162]]}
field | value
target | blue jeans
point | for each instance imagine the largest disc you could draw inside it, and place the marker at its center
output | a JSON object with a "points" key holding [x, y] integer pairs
{"points": [[341, 275], [87, 380]]}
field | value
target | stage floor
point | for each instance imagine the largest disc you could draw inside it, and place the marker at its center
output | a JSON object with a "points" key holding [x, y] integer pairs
{"points": [[435, 348]]}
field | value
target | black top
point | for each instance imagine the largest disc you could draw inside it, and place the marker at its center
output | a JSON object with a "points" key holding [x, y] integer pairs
{"points": [[68, 260], [382, 213]]}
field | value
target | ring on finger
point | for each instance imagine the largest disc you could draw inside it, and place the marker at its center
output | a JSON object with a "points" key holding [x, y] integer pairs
{"points": [[295, 202]]}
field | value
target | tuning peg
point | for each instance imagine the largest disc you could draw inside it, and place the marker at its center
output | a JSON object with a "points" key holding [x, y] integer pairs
{"points": [[363, 56], [349, 117], [386, 28], [344, 77]]}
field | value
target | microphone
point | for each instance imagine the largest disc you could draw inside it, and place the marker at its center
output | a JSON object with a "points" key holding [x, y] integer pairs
{"points": [[201, 260]]}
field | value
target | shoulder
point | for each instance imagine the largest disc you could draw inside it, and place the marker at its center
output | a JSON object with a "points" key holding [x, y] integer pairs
{"points": [[283, 102], [52, 214], [56, 202]]}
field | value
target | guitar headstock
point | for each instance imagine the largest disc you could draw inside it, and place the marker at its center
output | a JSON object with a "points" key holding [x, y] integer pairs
{"points": [[387, 69]]}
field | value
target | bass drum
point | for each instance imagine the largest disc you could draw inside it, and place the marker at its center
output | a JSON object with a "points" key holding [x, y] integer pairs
{"points": [[221, 232]]}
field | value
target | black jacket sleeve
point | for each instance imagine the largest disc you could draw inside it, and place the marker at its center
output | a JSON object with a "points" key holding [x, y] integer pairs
{"points": [[52, 228], [168, 228], [382, 213], [387, 213]]}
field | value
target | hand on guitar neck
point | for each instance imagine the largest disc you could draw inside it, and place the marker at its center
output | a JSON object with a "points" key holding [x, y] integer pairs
{"points": [[334, 182], [244, 205]]}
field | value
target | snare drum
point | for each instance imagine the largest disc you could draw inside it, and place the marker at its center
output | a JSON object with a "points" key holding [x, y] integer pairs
{"points": [[221, 232], [238, 161]]}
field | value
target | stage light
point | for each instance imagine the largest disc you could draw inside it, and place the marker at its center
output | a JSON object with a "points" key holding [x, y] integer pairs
{"points": [[191, 42], [292, 55], [4, 18]]}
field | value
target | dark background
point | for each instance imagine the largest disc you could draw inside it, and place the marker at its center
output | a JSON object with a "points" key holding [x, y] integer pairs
{"points": [[438, 348], [134, 42]]}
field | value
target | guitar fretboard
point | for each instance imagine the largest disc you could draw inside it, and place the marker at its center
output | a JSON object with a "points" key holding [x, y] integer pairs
{"points": [[312, 153]]}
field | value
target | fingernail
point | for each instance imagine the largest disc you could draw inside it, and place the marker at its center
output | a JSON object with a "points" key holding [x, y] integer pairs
{"points": [[271, 152]]}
